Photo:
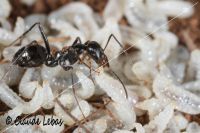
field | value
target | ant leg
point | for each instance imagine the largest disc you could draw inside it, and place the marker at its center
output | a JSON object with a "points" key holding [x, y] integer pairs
{"points": [[74, 92], [56, 39], [82, 62], [46, 42], [112, 70], [41, 32], [112, 35], [23, 35], [115, 40], [76, 41], [90, 66], [126, 93]]}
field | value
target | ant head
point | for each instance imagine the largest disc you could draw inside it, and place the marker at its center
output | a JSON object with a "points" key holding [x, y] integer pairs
{"points": [[97, 53], [30, 56]]}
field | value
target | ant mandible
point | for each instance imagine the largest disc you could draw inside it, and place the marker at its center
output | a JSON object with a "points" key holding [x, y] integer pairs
{"points": [[34, 55]]}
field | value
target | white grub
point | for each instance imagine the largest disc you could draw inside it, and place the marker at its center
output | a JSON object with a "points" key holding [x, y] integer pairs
{"points": [[147, 51], [36, 102], [165, 41], [153, 106], [8, 52], [14, 113], [192, 86], [85, 107], [181, 121], [43, 97], [172, 127], [141, 91], [131, 35], [48, 98], [114, 9], [159, 123], [56, 128], [144, 71], [23, 129], [182, 100], [49, 73], [59, 112], [74, 112], [101, 36], [5, 24], [7, 36], [95, 126], [122, 131], [132, 97], [115, 90], [66, 29], [87, 89], [139, 128], [166, 38], [129, 74], [125, 114], [5, 8], [82, 18], [9, 97], [181, 9], [11, 74], [195, 63], [177, 63], [145, 16], [57, 77], [19, 27], [112, 87], [28, 2], [193, 127], [100, 125], [164, 70], [32, 19], [67, 100], [29, 83]]}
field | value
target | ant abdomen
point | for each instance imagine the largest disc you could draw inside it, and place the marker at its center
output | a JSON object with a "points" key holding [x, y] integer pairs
{"points": [[32, 55]]}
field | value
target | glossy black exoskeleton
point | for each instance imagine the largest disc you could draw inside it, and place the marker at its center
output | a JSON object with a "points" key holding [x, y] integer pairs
{"points": [[34, 55]]}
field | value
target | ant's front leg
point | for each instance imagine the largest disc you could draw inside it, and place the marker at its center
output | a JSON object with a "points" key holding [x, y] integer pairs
{"points": [[65, 65], [76, 41], [53, 60], [41, 32]]}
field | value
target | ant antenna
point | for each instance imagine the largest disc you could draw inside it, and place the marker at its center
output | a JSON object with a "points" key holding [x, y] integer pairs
{"points": [[74, 92]]}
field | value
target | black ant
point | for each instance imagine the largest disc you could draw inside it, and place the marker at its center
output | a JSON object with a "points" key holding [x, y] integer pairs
{"points": [[35, 55]]}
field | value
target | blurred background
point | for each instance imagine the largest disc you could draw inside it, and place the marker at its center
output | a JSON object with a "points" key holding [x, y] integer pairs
{"points": [[179, 26]]}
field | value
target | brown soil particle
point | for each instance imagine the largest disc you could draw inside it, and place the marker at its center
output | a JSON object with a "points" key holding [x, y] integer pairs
{"points": [[188, 30]]}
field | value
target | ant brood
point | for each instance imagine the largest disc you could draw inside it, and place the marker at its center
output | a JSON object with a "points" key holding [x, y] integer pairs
{"points": [[34, 55]]}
